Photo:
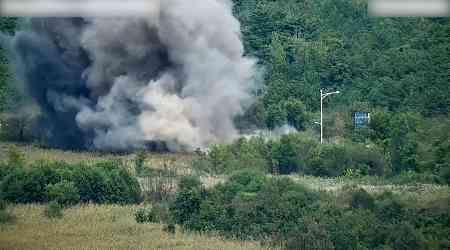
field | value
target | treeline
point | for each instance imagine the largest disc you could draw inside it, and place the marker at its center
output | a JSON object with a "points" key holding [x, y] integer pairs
{"points": [[394, 145]]}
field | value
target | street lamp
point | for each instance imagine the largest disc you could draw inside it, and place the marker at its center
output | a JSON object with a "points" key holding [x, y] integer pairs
{"points": [[322, 96]]}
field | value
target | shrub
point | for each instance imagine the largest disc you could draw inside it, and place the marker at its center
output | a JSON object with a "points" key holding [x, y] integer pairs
{"points": [[3, 204], [367, 159], [404, 236], [330, 160], [361, 199], [247, 205], [389, 208], [445, 174], [158, 213], [121, 186], [105, 182], [15, 156], [185, 209], [6, 217], [5, 214], [64, 193], [26, 185], [311, 235], [169, 228], [145, 215], [248, 180], [139, 163], [189, 182], [293, 153], [54, 210]]}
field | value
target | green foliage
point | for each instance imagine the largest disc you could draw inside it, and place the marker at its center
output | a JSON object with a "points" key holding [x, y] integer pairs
{"points": [[189, 182], [24, 185], [15, 156], [445, 174], [64, 193], [54, 210], [6, 217], [169, 228], [389, 208], [331, 160], [243, 153], [361, 199], [250, 205], [186, 207], [293, 153], [105, 182], [404, 236], [335, 44], [5, 214], [139, 161], [158, 213], [145, 215], [296, 114]]}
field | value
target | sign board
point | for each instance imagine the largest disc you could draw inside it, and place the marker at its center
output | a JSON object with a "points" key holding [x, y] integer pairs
{"points": [[361, 119]]}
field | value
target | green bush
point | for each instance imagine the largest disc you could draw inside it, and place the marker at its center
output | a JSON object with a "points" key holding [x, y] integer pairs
{"points": [[389, 208], [250, 205], [309, 236], [404, 236], [169, 228], [361, 199], [6, 217], [139, 161], [293, 153], [5, 214], [246, 206], [54, 210], [3, 204], [105, 182], [145, 215], [331, 160], [445, 175], [64, 193], [25, 185], [185, 209], [189, 182], [158, 213]]}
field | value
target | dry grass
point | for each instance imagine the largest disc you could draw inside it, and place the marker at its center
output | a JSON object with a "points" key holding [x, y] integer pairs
{"points": [[412, 192], [100, 227], [153, 160]]}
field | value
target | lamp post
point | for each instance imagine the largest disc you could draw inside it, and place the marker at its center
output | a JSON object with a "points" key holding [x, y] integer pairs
{"points": [[322, 96]]}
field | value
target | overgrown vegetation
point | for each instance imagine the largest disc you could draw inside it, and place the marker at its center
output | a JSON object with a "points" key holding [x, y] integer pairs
{"points": [[252, 206], [5, 213], [299, 153], [67, 184]]}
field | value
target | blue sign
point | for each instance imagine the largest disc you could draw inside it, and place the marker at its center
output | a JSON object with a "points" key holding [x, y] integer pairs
{"points": [[361, 119]]}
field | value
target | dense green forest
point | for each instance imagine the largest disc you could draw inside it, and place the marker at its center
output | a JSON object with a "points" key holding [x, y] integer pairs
{"points": [[396, 64]]}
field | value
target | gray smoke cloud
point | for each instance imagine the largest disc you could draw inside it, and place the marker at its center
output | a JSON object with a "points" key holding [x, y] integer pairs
{"points": [[178, 76]]}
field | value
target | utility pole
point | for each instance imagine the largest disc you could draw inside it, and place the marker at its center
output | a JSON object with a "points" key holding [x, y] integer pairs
{"points": [[322, 96]]}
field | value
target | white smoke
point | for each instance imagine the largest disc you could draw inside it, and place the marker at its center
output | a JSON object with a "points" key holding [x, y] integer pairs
{"points": [[178, 75]]}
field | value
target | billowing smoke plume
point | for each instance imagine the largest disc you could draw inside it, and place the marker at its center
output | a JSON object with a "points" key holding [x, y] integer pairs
{"points": [[178, 76]]}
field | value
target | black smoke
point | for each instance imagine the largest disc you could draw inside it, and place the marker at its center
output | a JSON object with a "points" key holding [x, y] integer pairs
{"points": [[178, 77]]}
